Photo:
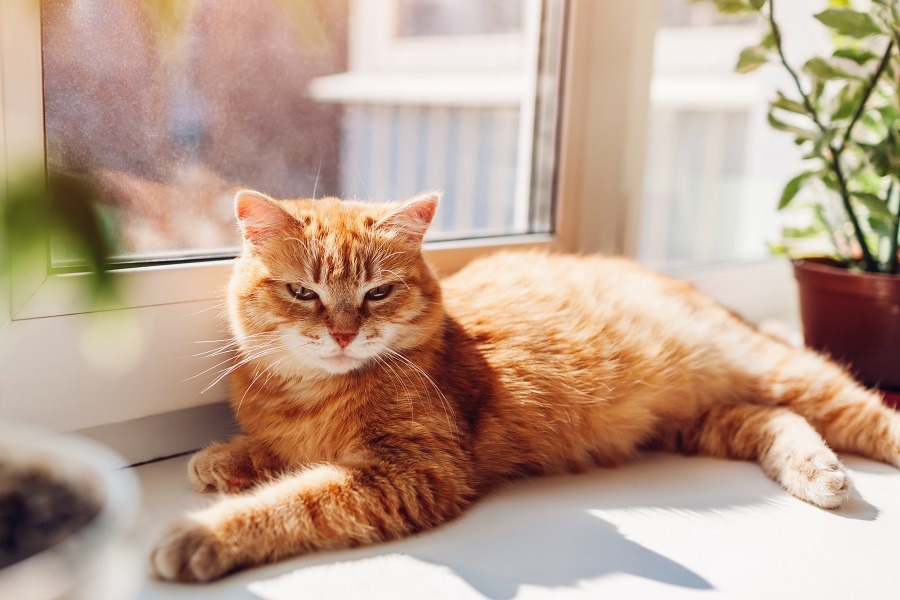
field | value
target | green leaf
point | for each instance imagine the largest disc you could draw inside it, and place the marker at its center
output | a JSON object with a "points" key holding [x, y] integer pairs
{"points": [[822, 69], [61, 206], [858, 55], [864, 179], [879, 157], [880, 226], [847, 100], [777, 249], [890, 114], [790, 190], [874, 125], [876, 206], [849, 22], [757, 4], [811, 153], [815, 94], [789, 105], [800, 232], [734, 7], [821, 218], [750, 59], [780, 125]]}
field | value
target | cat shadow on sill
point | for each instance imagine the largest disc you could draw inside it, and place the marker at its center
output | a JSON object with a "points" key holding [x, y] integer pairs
{"points": [[551, 548], [485, 557], [551, 532], [867, 465]]}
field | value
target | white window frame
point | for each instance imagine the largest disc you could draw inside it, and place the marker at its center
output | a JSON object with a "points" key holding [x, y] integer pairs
{"points": [[460, 70], [377, 46], [45, 376], [759, 289]]}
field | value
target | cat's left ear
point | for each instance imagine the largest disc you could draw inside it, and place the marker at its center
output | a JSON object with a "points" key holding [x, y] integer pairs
{"points": [[412, 218]]}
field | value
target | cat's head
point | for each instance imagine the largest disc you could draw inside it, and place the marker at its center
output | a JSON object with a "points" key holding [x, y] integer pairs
{"points": [[325, 287]]}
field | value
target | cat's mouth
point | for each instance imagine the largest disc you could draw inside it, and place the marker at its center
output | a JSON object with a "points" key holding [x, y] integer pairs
{"points": [[341, 362]]}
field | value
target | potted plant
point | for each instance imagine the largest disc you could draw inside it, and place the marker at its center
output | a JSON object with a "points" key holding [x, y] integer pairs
{"points": [[843, 112]]}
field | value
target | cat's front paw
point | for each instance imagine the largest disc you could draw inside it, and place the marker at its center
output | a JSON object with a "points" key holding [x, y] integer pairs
{"points": [[190, 551], [819, 478], [221, 467]]}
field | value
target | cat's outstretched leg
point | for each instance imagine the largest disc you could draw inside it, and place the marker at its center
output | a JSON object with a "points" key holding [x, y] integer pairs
{"points": [[784, 444], [231, 467], [850, 417], [326, 506]]}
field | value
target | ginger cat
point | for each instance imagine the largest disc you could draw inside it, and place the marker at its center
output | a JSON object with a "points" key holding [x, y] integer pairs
{"points": [[377, 402]]}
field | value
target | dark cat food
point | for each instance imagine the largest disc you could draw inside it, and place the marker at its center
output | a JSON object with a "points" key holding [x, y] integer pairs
{"points": [[38, 510]]}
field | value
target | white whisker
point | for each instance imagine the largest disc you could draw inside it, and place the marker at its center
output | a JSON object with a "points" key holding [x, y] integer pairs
{"points": [[207, 309], [319, 170], [353, 164], [448, 408], [408, 379], [257, 376], [397, 276]]}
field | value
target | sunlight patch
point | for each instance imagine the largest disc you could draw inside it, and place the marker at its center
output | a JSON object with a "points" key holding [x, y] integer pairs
{"points": [[391, 577]]}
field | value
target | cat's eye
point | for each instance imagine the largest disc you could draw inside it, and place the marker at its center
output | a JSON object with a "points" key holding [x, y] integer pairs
{"points": [[301, 293], [380, 292]]}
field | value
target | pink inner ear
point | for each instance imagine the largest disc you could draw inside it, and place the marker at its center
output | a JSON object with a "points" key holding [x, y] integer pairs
{"points": [[259, 216], [413, 218], [423, 212]]}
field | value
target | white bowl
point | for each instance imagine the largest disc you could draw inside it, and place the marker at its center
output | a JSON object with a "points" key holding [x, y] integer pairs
{"points": [[96, 561]]}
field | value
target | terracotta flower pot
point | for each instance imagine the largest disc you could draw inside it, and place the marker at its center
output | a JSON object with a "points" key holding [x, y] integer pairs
{"points": [[854, 317]]}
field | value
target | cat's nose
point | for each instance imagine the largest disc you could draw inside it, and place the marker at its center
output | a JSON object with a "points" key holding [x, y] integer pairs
{"points": [[343, 339]]}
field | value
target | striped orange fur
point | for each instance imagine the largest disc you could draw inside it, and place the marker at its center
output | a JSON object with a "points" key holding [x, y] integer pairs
{"points": [[520, 364]]}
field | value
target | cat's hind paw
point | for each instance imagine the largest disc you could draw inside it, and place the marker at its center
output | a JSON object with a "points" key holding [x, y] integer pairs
{"points": [[190, 551], [818, 478]]}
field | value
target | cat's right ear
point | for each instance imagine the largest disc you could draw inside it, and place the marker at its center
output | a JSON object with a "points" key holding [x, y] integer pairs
{"points": [[411, 219], [259, 216]]}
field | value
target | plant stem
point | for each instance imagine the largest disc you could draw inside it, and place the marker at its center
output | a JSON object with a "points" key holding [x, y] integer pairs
{"points": [[869, 263], [870, 87], [776, 35], [895, 232]]}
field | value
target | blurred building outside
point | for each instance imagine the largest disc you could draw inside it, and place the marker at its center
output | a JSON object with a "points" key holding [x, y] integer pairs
{"points": [[169, 110]]}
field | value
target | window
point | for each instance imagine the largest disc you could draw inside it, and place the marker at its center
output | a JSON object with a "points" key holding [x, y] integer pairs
{"points": [[714, 169], [706, 179], [441, 18], [168, 107], [533, 116]]}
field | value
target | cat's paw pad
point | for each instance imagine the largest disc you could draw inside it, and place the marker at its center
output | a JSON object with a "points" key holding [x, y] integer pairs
{"points": [[818, 478], [190, 551], [220, 468]]}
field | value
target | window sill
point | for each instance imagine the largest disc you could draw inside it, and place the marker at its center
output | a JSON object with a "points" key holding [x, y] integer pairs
{"points": [[467, 88], [662, 527]]}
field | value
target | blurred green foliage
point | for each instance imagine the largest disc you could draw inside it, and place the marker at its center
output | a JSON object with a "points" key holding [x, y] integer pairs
{"points": [[61, 209]]}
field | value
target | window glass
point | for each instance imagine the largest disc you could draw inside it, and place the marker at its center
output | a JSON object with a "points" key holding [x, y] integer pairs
{"points": [[458, 17], [678, 13], [714, 169], [168, 107]]}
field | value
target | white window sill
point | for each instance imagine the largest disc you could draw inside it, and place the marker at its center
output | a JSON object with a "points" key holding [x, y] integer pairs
{"points": [[662, 527], [466, 88]]}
